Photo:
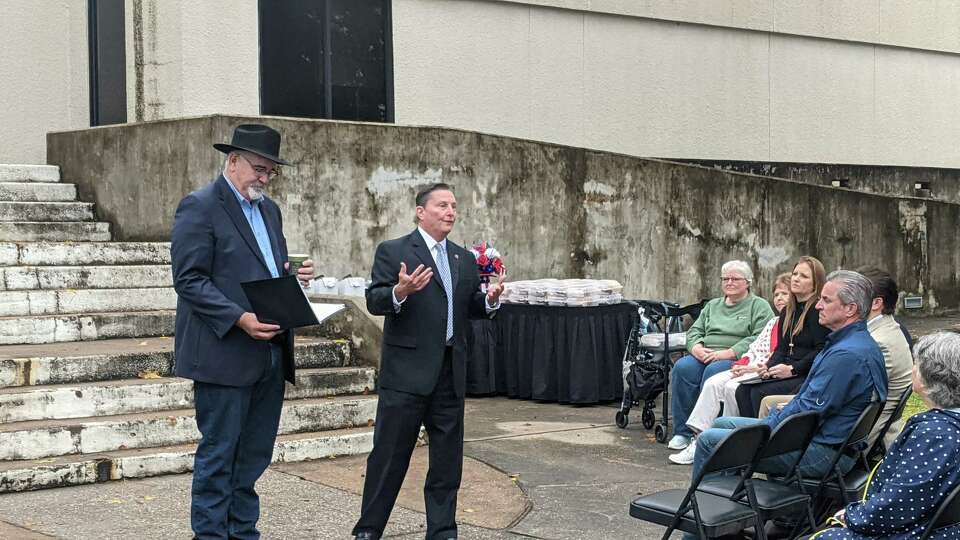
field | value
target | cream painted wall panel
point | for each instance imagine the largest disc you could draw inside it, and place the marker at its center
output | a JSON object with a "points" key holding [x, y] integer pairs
{"points": [[933, 24], [670, 90], [917, 112], [462, 64], [44, 85], [556, 77], [221, 52], [198, 58], [921, 23], [753, 14], [160, 37], [857, 20], [822, 99]]}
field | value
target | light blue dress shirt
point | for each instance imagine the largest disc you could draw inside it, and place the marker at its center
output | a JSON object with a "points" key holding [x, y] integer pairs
{"points": [[251, 210]]}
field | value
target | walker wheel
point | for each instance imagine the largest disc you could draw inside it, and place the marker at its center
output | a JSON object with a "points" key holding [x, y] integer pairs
{"points": [[648, 418], [661, 433], [622, 420]]}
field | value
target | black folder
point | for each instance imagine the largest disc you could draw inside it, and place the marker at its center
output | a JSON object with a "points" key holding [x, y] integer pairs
{"points": [[281, 301]]}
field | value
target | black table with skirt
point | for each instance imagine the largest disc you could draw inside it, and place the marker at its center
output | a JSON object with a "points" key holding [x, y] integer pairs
{"points": [[550, 353]]}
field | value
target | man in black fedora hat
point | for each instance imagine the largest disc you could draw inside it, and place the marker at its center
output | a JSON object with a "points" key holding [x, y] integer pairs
{"points": [[226, 233]]}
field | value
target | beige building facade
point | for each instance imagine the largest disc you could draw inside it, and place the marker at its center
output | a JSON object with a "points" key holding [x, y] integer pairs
{"points": [[872, 82]]}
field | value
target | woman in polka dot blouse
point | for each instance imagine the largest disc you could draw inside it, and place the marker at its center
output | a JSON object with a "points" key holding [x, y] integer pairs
{"points": [[923, 465]]}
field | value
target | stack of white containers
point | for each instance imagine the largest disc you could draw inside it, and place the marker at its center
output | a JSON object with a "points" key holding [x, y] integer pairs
{"points": [[564, 292]]}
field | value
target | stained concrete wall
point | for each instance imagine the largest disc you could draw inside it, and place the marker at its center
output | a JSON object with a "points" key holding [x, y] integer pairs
{"points": [[663, 229], [935, 183]]}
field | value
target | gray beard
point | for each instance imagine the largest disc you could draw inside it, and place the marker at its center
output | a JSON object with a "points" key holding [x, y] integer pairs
{"points": [[255, 193]]}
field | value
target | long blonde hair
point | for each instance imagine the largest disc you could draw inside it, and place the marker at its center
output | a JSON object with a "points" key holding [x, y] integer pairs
{"points": [[819, 278]]}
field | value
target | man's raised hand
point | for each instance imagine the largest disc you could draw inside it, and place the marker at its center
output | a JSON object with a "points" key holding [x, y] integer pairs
{"points": [[495, 290], [408, 284]]}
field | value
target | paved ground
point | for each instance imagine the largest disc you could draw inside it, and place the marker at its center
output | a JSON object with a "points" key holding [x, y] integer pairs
{"points": [[534, 470]]}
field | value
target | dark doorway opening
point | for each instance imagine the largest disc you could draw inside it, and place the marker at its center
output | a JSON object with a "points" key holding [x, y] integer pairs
{"points": [[326, 59], [108, 62]]}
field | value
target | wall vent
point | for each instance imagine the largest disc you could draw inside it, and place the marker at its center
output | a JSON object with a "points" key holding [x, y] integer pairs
{"points": [[913, 302]]}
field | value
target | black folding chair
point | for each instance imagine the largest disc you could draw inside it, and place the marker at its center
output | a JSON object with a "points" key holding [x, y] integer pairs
{"points": [[946, 516], [878, 449], [774, 498], [705, 514], [835, 485]]}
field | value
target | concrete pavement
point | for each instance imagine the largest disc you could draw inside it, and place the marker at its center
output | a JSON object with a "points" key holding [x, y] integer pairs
{"points": [[533, 470]]}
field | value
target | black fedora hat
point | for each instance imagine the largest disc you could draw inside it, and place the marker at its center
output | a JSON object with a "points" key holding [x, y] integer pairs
{"points": [[257, 139]]}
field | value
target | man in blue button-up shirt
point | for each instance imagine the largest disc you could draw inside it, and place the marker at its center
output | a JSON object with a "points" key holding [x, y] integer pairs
{"points": [[223, 235], [846, 376]]}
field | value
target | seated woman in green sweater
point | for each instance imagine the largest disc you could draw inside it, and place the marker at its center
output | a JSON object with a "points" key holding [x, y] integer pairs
{"points": [[721, 334]]}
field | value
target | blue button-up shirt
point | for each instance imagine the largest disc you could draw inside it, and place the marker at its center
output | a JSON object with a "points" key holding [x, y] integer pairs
{"points": [[848, 374], [251, 210]]}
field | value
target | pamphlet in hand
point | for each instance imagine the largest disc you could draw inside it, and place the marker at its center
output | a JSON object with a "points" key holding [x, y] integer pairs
{"points": [[748, 378], [283, 302]]}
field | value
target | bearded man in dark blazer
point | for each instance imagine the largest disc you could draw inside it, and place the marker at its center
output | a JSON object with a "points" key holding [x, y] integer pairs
{"points": [[422, 368], [226, 233]]}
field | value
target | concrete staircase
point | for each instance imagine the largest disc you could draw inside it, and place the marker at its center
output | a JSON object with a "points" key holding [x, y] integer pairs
{"points": [[86, 387]]}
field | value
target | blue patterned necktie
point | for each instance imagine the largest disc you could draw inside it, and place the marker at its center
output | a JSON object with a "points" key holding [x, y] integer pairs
{"points": [[444, 268]]}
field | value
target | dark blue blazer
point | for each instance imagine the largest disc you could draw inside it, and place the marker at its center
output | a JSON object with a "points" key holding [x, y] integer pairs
{"points": [[213, 251], [414, 339]]}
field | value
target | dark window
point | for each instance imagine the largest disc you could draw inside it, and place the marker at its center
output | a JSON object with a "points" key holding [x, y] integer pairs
{"points": [[108, 66], [326, 59]]}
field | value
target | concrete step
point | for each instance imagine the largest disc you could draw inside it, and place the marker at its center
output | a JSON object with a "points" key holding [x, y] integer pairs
{"points": [[85, 327], [65, 231], [86, 301], [17, 476], [83, 253], [129, 396], [52, 438], [29, 173], [116, 359], [24, 278], [37, 192], [46, 211]]}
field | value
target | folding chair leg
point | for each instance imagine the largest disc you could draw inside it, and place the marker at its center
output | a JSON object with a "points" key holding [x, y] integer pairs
{"points": [[811, 519], [759, 530], [696, 515]]}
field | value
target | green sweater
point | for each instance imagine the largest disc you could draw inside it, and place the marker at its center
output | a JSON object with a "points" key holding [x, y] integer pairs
{"points": [[720, 326]]}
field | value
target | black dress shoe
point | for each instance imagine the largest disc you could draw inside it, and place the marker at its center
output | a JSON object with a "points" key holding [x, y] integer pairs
{"points": [[366, 535]]}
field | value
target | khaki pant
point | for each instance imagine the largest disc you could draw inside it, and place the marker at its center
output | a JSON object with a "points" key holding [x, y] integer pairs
{"points": [[770, 403]]}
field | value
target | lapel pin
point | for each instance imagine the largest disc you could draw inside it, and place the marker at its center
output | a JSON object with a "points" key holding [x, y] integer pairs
{"points": [[456, 256]]}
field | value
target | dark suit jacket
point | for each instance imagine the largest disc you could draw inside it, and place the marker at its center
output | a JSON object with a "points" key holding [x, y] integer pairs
{"points": [[415, 338], [213, 250]]}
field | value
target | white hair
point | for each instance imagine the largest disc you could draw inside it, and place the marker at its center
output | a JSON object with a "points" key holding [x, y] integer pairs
{"points": [[740, 267], [226, 162], [938, 359]]}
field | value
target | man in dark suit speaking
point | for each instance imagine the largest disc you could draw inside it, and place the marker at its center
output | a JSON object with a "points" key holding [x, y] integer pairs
{"points": [[422, 368], [224, 234]]}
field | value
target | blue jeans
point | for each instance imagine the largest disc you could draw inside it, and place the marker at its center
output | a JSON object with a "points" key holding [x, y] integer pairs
{"points": [[686, 380], [814, 463], [239, 427]]}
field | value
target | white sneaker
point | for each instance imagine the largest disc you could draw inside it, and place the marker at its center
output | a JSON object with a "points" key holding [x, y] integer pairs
{"points": [[678, 442], [685, 456]]}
